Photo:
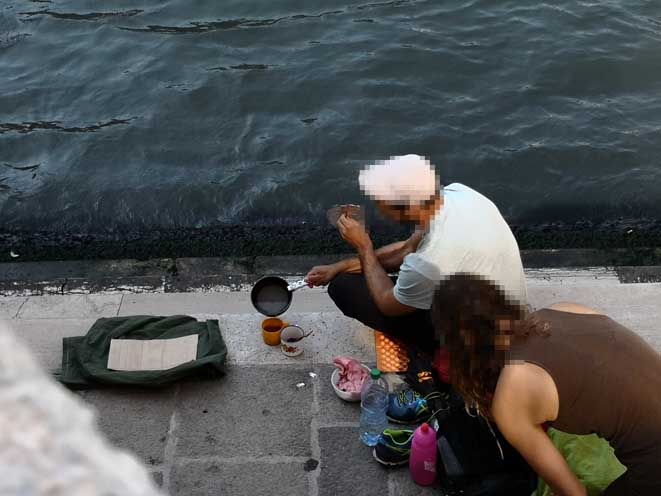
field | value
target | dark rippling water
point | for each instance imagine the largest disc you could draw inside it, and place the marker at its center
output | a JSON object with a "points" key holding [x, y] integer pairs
{"points": [[147, 114]]}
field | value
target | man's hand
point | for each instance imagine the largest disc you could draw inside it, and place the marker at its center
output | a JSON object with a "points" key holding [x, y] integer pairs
{"points": [[321, 275], [353, 232]]}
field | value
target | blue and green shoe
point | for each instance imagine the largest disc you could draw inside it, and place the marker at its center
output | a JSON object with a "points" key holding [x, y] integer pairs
{"points": [[409, 406], [393, 447]]}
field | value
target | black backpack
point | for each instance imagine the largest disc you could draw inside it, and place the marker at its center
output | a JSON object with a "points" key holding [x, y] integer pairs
{"points": [[474, 457]]}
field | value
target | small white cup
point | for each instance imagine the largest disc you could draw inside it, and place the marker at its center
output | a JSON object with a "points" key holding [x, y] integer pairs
{"points": [[291, 339]]}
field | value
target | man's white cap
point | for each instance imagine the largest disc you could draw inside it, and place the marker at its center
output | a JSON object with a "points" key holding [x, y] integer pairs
{"points": [[404, 180]]}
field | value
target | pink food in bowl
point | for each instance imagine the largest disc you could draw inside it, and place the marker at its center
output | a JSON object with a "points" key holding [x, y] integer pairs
{"points": [[352, 374]]}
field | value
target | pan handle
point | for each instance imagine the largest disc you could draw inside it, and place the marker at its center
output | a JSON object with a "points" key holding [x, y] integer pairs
{"points": [[297, 285]]}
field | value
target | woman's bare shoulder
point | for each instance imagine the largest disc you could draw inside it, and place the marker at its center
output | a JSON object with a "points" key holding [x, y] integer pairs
{"points": [[526, 387], [574, 308]]}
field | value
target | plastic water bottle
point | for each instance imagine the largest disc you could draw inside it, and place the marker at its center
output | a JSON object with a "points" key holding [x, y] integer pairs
{"points": [[373, 407], [422, 462]]}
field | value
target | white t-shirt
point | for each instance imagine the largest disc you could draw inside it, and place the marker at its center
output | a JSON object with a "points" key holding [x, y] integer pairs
{"points": [[467, 235]]}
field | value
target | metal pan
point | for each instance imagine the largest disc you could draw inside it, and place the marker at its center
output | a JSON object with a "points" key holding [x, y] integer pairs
{"points": [[272, 295]]}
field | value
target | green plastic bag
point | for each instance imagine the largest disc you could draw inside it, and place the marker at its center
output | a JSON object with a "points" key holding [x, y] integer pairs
{"points": [[591, 458]]}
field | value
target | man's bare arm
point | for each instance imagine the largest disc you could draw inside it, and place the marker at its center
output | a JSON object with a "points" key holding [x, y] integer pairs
{"points": [[390, 256], [380, 286], [386, 255]]}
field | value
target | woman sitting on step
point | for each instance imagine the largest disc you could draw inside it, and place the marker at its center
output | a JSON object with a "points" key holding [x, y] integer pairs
{"points": [[566, 366]]}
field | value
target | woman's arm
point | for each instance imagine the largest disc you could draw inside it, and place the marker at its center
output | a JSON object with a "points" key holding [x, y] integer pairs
{"points": [[541, 454], [518, 409]]}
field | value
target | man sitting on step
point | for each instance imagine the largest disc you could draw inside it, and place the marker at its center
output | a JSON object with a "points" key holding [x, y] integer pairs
{"points": [[456, 230]]}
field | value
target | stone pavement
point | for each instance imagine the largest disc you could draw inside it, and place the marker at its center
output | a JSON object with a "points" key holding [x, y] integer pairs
{"points": [[273, 424]]}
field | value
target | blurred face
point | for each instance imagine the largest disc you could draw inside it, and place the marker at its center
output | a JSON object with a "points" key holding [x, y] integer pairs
{"points": [[402, 215], [412, 215], [502, 340], [505, 328]]}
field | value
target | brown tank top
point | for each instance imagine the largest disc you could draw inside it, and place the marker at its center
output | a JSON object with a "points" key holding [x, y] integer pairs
{"points": [[608, 380]]}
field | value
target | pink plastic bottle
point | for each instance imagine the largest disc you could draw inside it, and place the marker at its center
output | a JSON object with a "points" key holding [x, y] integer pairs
{"points": [[422, 462]]}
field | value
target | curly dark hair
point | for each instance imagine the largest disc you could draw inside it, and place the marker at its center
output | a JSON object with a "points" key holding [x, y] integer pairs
{"points": [[478, 319]]}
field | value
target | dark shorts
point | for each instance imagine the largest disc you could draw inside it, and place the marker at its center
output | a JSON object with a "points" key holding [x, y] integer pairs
{"points": [[350, 294]]}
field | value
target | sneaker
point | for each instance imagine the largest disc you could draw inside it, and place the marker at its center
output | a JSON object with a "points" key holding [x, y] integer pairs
{"points": [[393, 447], [409, 406]]}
